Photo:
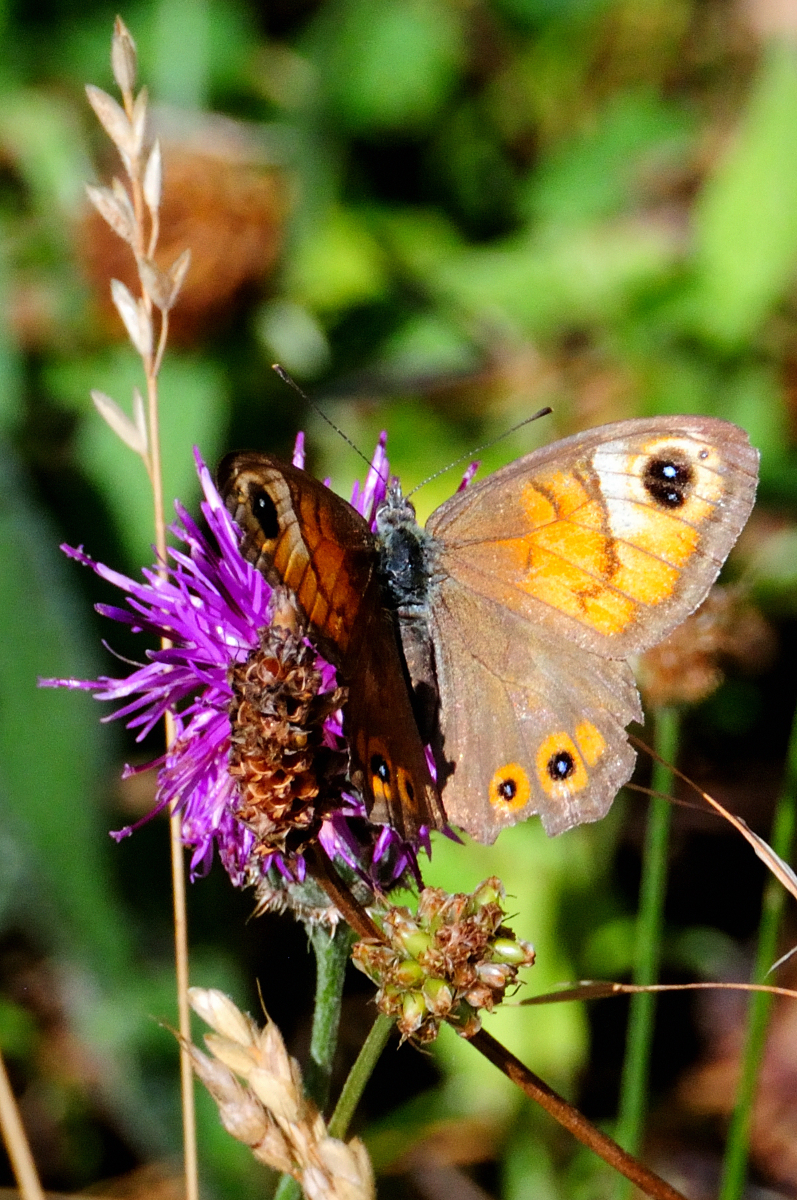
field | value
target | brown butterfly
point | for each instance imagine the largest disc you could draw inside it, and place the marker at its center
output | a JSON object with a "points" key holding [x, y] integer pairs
{"points": [[500, 633]]}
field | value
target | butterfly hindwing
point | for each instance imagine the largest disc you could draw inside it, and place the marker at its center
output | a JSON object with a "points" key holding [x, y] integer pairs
{"points": [[544, 732]]}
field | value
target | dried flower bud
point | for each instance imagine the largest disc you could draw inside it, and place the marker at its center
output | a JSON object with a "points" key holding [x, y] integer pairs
{"points": [[123, 57], [454, 957], [685, 667]]}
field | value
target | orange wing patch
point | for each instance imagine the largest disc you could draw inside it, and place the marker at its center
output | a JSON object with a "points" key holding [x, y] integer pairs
{"points": [[569, 557], [591, 742], [615, 534]]}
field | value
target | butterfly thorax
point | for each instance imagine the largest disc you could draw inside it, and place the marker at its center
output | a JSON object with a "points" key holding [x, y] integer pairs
{"points": [[406, 555]]}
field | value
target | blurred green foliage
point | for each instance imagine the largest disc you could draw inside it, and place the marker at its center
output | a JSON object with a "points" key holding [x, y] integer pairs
{"points": [[479, 209]]}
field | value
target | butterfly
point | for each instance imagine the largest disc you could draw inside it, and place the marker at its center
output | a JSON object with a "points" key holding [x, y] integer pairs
{"points": [[500, 633]]}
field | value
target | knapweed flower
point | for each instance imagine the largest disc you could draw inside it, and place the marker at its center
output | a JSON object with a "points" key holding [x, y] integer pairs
{"points": [[448, 961], [257, 766]]}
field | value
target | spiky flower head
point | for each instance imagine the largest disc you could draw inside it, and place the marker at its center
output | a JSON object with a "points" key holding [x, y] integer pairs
{"points": [[257, 766], [454, 957]]}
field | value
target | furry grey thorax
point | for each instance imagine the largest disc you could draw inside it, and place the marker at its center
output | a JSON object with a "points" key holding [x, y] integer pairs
{"points": [[407, 557]]}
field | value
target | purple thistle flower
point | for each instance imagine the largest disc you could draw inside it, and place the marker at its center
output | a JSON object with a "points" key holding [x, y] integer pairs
{"points": [[215, 609]]}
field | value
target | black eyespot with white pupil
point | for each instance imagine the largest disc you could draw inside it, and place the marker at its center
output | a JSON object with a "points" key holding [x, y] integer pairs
{"points": [[561, 765], [379, 768], [507, 789], [668, 480], [265, 513]]}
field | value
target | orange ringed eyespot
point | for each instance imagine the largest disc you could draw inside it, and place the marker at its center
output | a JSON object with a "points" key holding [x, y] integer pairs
{"points": [[405, 787], [510, 789], [560, 767]]}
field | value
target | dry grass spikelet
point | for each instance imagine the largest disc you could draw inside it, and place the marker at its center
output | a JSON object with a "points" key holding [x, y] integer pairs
{"points": [[258, 1089], [229, 210]]}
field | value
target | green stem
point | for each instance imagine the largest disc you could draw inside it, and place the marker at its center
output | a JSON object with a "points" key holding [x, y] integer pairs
{"points": [[288, 1189], [331, 956], [734, 1171], [359, 1075], [650, 925]]}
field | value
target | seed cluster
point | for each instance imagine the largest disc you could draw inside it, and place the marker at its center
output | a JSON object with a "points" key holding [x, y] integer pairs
{"points": [[687, 666], [289, 777], [450, 960]]}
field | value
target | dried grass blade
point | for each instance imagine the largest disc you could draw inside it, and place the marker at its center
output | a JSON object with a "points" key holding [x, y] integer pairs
{"points": [[118, 420], [112, 117]]}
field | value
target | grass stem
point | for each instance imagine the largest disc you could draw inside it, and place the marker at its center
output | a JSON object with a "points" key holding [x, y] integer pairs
{"points": [[734, 1172], [650, 926], [359, 1075]]}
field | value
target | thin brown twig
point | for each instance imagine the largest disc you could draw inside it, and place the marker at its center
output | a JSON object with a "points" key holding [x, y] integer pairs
{"points": [[574, 1121], [605, 1147], [604, 990]]}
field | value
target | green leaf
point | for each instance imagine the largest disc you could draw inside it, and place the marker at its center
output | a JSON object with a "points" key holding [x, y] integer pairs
{"points": [[606, 170], [52, 755], [558, 280], [389, 64], [746, 217], [336, 263]]}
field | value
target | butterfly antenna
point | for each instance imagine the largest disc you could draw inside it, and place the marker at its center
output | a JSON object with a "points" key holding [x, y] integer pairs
{"points": [[543, 412], [285, 377]]}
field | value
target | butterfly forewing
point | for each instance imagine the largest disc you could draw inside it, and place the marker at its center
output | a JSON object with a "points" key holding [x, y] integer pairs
{"points": [[548, 574], [610, 538], [298, 533]]}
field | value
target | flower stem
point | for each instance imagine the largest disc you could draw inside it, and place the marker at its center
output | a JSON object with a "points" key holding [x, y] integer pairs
{"points": [[359, 1075], [734, 1172], [331, 956], [650, 924], [16, 1142]]}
